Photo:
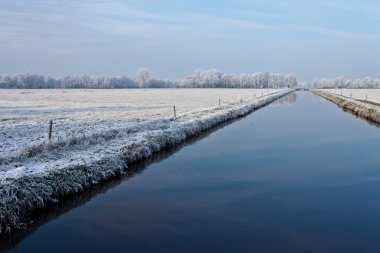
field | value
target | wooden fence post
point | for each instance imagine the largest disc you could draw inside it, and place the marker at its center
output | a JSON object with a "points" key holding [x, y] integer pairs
{"points": [[219, 101], [50, 128], [175, 114]]}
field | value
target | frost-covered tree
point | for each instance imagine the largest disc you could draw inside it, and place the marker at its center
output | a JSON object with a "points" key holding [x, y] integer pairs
{"points": [[215, 79], [211, 78], [341, 82], [143, 77]]}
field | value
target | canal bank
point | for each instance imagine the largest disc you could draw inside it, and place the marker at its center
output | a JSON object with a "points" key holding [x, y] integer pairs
{"points": [[363, 109], [300, 176]]}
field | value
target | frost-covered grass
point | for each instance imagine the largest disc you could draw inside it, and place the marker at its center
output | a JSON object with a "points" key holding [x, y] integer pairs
{"points": [[24, 114], [97, 138], [360, 94], [362, 108]]}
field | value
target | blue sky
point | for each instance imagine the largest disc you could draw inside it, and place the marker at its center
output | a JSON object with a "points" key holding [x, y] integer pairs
{"points": [[311, 39]]}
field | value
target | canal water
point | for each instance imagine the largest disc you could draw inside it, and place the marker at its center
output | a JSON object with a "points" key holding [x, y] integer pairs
{"points": [[296, 176]]}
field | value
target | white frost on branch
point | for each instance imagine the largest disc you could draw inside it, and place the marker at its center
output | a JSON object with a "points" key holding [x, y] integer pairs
{"points": [[342, 83], [211, 78], [143, 77]]}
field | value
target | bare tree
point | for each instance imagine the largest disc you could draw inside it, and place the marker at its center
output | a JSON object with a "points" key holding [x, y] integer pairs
{"points": [[143, 77], [211, 78]]}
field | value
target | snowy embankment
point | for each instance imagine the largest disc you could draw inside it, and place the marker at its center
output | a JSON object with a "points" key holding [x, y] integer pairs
{"points": [[43, 172], [362, 108], [372, 95]]}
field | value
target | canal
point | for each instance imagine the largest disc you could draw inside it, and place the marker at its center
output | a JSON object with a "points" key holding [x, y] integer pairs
{"points": [[299, 175]]}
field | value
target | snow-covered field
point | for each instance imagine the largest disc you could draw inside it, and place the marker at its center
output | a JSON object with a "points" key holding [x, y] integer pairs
{"points": [[96, 134], [75, 104], [372, 94], [25, 114]]}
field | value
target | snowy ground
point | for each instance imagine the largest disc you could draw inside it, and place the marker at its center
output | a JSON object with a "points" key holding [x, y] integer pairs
{"points": [[24, 114], [96, 134], [372, 94]]}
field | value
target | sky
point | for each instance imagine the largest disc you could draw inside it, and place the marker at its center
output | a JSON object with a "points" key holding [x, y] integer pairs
{"points": [[308, 38]]}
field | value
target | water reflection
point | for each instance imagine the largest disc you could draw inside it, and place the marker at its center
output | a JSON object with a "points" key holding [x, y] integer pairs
{"points": [[303, 176], [65, 205], [357, 115], [289, 99]]}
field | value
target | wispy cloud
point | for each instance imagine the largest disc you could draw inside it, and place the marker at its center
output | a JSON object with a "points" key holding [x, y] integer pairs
{"points": [[203, 32], [118, 18], [349, 35]]}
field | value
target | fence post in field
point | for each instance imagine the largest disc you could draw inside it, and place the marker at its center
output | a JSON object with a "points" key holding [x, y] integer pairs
{"points": [[219, 101], [50, 128], [175, 114], [365, 97]]}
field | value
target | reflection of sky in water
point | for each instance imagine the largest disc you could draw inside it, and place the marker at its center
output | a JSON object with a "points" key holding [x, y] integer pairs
{"points": [[302, 177], [288, 100]]}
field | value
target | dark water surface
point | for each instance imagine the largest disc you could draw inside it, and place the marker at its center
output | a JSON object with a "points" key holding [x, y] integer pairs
{"points": [[300, 177]]}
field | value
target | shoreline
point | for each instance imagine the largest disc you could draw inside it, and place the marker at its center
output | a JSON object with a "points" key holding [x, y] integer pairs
{"points": [[367, 110], [23, 195]]}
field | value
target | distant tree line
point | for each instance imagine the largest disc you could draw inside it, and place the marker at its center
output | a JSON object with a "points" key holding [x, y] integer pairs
{"points": [[213, 78], [341, 82], [200, 79]]}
